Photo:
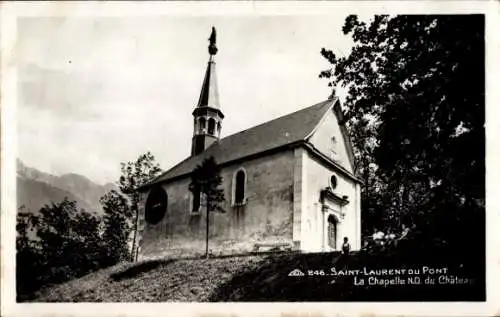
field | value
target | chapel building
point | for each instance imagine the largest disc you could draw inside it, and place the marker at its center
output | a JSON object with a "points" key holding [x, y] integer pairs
{"points": [[289, 183]]}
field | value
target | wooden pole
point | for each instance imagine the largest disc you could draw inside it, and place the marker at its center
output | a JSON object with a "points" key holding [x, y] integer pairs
{"points": [[134, 253]]}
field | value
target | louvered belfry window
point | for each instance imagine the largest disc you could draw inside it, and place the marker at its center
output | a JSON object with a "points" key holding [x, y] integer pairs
{"points": [[202, 125], [211, 126]]}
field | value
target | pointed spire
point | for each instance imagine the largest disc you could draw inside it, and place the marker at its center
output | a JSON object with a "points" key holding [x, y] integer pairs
{"points": [[209, 96], [207, 114]]}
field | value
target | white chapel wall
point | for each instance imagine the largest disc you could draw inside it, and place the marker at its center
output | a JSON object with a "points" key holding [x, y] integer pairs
{"points": [[322, 140], [267, 212], [317, 178]]}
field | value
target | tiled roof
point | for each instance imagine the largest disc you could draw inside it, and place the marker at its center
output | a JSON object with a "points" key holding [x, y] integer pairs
{"points": [[282, 131]]}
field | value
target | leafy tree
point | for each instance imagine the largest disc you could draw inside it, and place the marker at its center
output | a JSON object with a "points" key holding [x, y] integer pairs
{"points": [[134, 175], [27, 256], [415, 108], [69, 241], [205, 180], [86, 236], [117, 215], [67, 245]]}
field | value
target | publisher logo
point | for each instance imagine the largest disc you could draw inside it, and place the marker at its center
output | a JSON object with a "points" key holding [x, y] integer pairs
{"points": [[296, 272]]}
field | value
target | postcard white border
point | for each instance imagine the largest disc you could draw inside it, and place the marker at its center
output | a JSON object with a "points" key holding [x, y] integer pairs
{"points": [[9, 11]]}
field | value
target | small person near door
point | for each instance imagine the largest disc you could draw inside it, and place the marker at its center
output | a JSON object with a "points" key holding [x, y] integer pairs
{"points": [[346, 247], [341, 261]]}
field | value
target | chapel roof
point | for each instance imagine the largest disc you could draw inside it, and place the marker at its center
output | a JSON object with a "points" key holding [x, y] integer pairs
{"points": [[285, 130]]}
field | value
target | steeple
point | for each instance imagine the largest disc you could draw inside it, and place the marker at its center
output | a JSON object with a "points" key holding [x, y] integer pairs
{"points": [[209, 96], [207, 114]]}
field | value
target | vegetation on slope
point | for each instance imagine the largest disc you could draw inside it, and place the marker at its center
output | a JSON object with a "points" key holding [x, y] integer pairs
{"points": [[153, 281], [62, 241], [266, 278]]}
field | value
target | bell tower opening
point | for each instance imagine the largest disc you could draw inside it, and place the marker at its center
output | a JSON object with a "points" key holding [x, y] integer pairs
{"points": [[211, 126]]}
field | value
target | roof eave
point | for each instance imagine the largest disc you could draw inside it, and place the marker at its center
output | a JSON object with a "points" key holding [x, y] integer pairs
{"points": [[337, 110], [332, 102], [313, 150], [320, 155], [284, 147], [345, 134]]}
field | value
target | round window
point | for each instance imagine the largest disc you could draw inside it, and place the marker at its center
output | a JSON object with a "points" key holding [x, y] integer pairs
{"points": [[333, 182], [156, 205]]}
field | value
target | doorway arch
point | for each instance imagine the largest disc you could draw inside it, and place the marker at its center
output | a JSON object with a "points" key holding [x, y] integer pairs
{"points": [[332, 231]]}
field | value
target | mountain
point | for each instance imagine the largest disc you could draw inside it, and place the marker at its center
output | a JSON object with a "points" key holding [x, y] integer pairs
{"points": [[33, 195], [36, 188]]}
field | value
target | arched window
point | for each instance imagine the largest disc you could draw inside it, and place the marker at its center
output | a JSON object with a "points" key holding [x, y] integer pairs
{"points": [[218, 128], [211, 126], [196, 200], [156, 205], [332, 232], [202, 124], [239, 184]]}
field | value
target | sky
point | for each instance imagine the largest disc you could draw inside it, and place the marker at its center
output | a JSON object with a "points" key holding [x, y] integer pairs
{"points": [[96, 91]]}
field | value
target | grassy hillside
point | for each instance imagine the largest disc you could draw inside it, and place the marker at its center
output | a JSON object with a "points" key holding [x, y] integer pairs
{"points": [[266, 278], [152, 281]]}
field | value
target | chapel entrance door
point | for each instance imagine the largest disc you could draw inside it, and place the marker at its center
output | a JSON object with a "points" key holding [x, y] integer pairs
{"points": [[332, 219], [332, 228], [332, 232]]}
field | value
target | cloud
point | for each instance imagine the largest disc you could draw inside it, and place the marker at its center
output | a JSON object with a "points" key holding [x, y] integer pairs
{"points": [[95, 91], [64, 94]]}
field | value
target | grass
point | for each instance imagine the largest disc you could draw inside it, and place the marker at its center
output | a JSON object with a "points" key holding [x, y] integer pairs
{"points": [[265, 278], [153, 281]]}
